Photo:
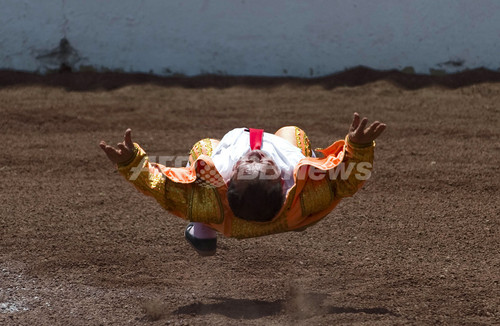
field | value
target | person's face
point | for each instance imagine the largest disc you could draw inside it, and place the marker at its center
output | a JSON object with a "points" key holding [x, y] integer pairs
{"points": [[256, 164]]}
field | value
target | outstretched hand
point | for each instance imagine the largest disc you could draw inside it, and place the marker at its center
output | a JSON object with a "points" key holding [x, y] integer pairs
{"points": [[123, 153], [360, 134]]}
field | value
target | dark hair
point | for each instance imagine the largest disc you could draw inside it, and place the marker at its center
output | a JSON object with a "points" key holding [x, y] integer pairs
{"points": [[260, 200]]}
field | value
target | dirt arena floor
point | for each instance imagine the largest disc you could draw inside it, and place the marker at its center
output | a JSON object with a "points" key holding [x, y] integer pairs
{"points": [[418, 245]]}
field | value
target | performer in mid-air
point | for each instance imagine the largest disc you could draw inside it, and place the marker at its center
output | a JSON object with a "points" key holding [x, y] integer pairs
{"points": [[252, 183]]}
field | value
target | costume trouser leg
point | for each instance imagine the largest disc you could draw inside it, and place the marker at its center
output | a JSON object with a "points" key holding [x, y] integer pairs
{"points": [[296, 137], [202, 237]]}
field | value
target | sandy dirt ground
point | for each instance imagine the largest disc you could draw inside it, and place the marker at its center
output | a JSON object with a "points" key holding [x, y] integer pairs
{"points": [[418, 245]]}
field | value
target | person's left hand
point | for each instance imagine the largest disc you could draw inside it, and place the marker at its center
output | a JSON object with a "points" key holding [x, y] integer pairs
{"points": [[123, 153], [360, 134]]}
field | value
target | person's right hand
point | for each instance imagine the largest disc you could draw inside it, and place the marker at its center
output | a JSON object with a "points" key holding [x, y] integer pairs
{"points": [[123, 153]]}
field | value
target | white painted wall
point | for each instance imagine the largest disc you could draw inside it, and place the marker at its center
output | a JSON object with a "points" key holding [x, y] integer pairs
{"points": [[251, 37]]}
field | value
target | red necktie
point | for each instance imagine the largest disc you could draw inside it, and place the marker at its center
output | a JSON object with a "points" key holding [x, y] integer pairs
{"points": [[256, 138]]}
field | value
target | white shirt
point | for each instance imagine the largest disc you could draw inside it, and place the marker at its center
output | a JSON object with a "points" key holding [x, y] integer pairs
{"points": [[236, 143]]}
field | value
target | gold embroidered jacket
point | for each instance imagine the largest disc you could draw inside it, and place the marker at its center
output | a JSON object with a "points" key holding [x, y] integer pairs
{"points": [[198, 193]]}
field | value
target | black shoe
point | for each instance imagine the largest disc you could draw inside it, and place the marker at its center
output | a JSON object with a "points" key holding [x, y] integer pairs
{"points": [[204, 247]]}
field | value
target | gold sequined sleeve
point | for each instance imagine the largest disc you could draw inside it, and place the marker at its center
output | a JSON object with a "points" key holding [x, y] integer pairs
{"points": [[147, 177], [354, 170], [175, 189]]}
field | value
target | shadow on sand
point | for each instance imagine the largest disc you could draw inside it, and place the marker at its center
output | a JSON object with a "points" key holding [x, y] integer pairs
{"points": [[305, 306]]}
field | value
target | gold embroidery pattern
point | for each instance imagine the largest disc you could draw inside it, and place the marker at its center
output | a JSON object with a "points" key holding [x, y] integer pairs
{"points": [[307, 149], [176, 197], [149, 181], [205, 205], [303, 142], [203, 146], [247, 229], [316, 196]]}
